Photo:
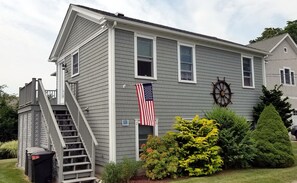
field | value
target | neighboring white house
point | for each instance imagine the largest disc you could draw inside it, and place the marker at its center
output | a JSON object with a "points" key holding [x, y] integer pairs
{"points": [[281, 66]]}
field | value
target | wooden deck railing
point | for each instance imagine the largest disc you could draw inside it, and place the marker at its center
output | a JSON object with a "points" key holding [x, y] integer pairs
{"points": [[28, 95]]}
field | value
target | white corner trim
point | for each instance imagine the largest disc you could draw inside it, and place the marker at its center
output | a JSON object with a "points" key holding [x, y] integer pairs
{"points": [[111, 94], [253, 72], [193, 62], [154, 77]]}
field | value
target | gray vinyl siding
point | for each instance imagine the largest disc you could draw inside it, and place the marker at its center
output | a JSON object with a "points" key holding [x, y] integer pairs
{"points": [[171, 97], [93, 90], [81, 30]]}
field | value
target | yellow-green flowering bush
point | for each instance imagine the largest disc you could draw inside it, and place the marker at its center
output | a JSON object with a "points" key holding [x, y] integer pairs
{"points": [[197, 139]]}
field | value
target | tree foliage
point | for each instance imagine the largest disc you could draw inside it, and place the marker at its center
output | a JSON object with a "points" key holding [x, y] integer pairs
{"points": [[273, 146], [234, 138], [8, 116], [270, 32], [274, 97]]}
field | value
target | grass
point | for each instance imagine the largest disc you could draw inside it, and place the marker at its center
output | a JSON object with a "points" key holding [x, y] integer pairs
{"points": [[264, 175], [9, 173]]}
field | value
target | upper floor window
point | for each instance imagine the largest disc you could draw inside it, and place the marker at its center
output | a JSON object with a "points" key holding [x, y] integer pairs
{"points": [[247, 72], [186, 63], [287, 76], [145, 59], [75, 64]]}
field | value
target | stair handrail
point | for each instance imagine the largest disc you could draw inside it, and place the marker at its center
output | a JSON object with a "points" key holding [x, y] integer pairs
{"points": [[82, 126], [53, 128]]}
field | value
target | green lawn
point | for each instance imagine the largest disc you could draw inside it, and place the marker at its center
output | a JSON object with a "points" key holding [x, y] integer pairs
{"points": [[9, 173], [283, 175]]}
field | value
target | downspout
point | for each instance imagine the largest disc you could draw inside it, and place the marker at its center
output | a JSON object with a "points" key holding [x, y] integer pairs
{"points": [[264, 62]]}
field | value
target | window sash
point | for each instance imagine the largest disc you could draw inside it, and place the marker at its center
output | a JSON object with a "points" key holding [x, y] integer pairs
{"points": [[247, 72], [282, 76], [75, 63], [293, 78], [186, 63], [145, 54], [287, 76]]}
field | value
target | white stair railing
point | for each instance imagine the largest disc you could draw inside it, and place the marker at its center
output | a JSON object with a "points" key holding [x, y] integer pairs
{"points": [[88, 139]]}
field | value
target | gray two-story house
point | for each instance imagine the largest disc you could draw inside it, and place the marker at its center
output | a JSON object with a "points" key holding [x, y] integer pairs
{"points": [[93, 118]]}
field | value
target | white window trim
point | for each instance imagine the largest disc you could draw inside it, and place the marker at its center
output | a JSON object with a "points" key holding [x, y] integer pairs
{"points": [[155, 130], [193, 61], [76, 52], [290, 70], [154, 77], [253, 72]]}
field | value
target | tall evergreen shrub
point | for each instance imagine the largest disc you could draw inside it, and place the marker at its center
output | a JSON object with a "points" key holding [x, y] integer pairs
{"points": [[237, 147], [273, 147], [281, 104]]}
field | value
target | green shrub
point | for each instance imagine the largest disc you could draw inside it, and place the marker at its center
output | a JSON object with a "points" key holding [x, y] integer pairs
{"points": [[112, 173], [197, 139], [273, 147], [129, 169], [9, 149], [120, 172], [237, 146], [160, 157]]}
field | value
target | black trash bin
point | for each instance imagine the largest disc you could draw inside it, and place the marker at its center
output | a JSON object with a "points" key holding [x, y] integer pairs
{"points": [[42, 167], [28, 160]]}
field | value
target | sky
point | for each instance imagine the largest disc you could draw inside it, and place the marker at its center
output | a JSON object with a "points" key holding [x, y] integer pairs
{"points": [[29, 28]]}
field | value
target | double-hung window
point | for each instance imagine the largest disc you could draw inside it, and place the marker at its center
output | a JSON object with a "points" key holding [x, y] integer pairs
{"points": [[145, 58], [186, 63], [75, 64], [247, 72], [287, 76], [142, 132]]}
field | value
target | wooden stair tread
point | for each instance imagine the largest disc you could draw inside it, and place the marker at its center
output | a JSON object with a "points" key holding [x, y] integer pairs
{"points": [[79, 180], [76, 156], [75, 164], [77, 171]]}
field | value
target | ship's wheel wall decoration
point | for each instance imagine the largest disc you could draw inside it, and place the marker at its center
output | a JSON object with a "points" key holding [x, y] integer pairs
{"points": [[222, 93]]}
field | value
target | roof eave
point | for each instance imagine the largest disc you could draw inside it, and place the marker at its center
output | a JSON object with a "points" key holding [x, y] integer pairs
{"points": [[233, 45]]}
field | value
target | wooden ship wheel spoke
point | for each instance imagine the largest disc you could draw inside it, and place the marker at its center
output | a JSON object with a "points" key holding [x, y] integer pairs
{"points": [[222, 93]]}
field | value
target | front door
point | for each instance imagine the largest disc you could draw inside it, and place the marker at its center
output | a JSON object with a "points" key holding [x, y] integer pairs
{"points": [[61, 83]]}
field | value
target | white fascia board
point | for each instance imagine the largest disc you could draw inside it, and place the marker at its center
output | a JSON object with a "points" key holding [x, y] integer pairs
{"points": [[67, 25], [53, 56], [275, 46], [156, 28]]}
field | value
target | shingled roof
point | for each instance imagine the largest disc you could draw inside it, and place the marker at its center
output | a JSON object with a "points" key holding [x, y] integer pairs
{"points": [[268, 44]]}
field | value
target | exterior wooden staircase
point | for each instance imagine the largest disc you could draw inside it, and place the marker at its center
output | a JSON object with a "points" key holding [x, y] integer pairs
{"points": [[77, 167]]}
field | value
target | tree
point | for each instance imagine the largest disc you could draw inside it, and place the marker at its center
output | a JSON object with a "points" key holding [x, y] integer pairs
{"points": [[8, 116], [270, 32], [237, 147], [274, 97], [273, 146]]}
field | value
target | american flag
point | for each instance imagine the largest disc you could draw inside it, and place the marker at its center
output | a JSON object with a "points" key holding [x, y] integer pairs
{"points": [[146, 103]]}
